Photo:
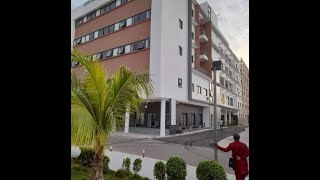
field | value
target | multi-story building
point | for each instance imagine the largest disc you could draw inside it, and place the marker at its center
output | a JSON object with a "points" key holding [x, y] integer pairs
{"points": [[176, 42], [244, 111]]}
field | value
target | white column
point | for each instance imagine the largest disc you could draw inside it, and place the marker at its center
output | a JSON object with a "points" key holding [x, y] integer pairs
{"points": [[163, 118], [173, 111], [229, 120], [126, 122], [225, 117]]}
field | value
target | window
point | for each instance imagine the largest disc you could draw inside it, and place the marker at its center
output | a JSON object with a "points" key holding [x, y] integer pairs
{"points": [[102, 10], [78, 41], [107, 54], [100, 33], [129, 22], [147, 43], [87, 38], [143, 16], [221, 80], [111, 28], [135, 19], [192, 58], [98, 55], [180, 24], [193, 119], [127, 48], [184, 119], [180, 50], [91, 36], [137, 45], [205, 91], [192, 12], [200, 119], [123, 1], [118, 3], [179, 83], [91, 16], [113, 5], [209, 11], [222, 101], [79, 21], [230, 72], [121, 50], [227, 84], [192, 34], [231, 102], [192, 87], [108, 8], [116, 27], [83, 39], [199, 89], [105, 31], [148, 14], [122, 24]]}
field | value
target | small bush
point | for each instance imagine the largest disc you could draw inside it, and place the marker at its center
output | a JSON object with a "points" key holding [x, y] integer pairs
{"points": [[137, 165], [210, 170], [86, 156], [159, 171], [121, 173], [126, 164], [106, 162], [176, 169]]}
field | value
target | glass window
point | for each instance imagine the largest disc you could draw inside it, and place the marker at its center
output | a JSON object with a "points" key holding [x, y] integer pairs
{"points": [[116, 27], [87, 38], [91, 36], [143, 16], [121, 50], [100, 32], [111, 28], [180, 24], [113, 5], [96, 34], [122, 24], [123, 1], [127, 48], [118, 3], [138, 45], [192, 87], [103, 10], [98, 55], [199, 89], [129, 21], [135, 19], [83, 39], [180, 50], [179, 83], [106, 30], [108, 7], [107, 54], [148, 14], [205, 91]]}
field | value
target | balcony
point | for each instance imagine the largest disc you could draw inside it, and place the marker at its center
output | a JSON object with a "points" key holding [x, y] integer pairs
{"points": [[194, 22], [203, 37], [203, 57]]}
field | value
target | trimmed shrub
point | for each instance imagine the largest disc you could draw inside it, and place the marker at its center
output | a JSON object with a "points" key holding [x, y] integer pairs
{"points": [[210, 170], [159, 171], [176, 169], [106, 162], [137, 165], [121, 173], [86, 156], [126, 164]]}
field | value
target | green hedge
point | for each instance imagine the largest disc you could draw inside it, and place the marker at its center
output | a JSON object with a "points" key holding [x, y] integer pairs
{"points": [[137, 165], [210, 170], [86, 156], [176, 169], [159, 171]]}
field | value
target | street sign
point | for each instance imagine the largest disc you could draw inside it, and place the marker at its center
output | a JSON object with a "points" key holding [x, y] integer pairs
{"points": [[216, 65]]}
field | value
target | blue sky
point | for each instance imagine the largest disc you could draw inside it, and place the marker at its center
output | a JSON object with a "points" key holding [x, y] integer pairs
{"points": [[233, 22]]}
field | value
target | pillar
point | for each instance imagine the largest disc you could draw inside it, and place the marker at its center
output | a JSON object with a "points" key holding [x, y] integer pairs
{"points": [[173, 115], [163, 118], [126, 122], [225, 118]]}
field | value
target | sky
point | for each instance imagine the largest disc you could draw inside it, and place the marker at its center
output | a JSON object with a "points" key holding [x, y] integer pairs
{"points": [[233, 20]]}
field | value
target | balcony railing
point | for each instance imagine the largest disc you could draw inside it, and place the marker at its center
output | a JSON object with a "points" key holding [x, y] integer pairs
{"points": [[203, 37]]}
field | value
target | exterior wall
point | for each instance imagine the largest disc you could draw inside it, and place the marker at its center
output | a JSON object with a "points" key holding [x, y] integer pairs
{"points": [[200, 80], [244, 118], [166, 63], [189, 109]]}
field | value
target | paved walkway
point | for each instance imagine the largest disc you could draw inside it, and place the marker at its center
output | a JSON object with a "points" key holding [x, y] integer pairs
{"points": [[147, 165]]}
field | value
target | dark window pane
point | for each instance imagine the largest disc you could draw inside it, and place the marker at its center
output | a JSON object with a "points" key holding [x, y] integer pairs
{"points": [[121, 50], [79, 21], [98, 55], [109, 53], [108, 8], [111, 28], [143, 16], [180, 24], [102, 10], [135, 19], [91, 36], [141, 44], [124, 1], [113, 5], [192, 59], [106, 30], [122, 24], [79, 41], [100, 33]]}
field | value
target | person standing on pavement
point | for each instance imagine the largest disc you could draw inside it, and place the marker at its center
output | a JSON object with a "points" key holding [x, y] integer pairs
{"points": [[221, 125], [240, 152]]}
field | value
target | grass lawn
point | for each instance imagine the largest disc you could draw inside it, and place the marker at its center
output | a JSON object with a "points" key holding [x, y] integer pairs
{"points": [[79, 172]]}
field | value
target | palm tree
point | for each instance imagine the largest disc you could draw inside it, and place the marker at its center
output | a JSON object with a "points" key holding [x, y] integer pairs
{"points": [[99, 102]]}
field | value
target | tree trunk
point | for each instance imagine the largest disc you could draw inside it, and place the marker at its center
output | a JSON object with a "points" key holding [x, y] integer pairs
{"points": [[97, 166]]}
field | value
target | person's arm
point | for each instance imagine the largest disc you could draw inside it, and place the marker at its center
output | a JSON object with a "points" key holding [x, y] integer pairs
{"points": [[227, 149]]}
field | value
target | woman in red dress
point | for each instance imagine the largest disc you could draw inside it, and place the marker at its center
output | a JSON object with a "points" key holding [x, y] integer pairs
{"points": [[240, 152]]}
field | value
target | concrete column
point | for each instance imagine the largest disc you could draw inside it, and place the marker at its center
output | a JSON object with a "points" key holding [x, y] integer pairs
{"points": [[206, 116], [163, 118], [126, 122], [173, 112], [229, 120], [225, 117]]}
